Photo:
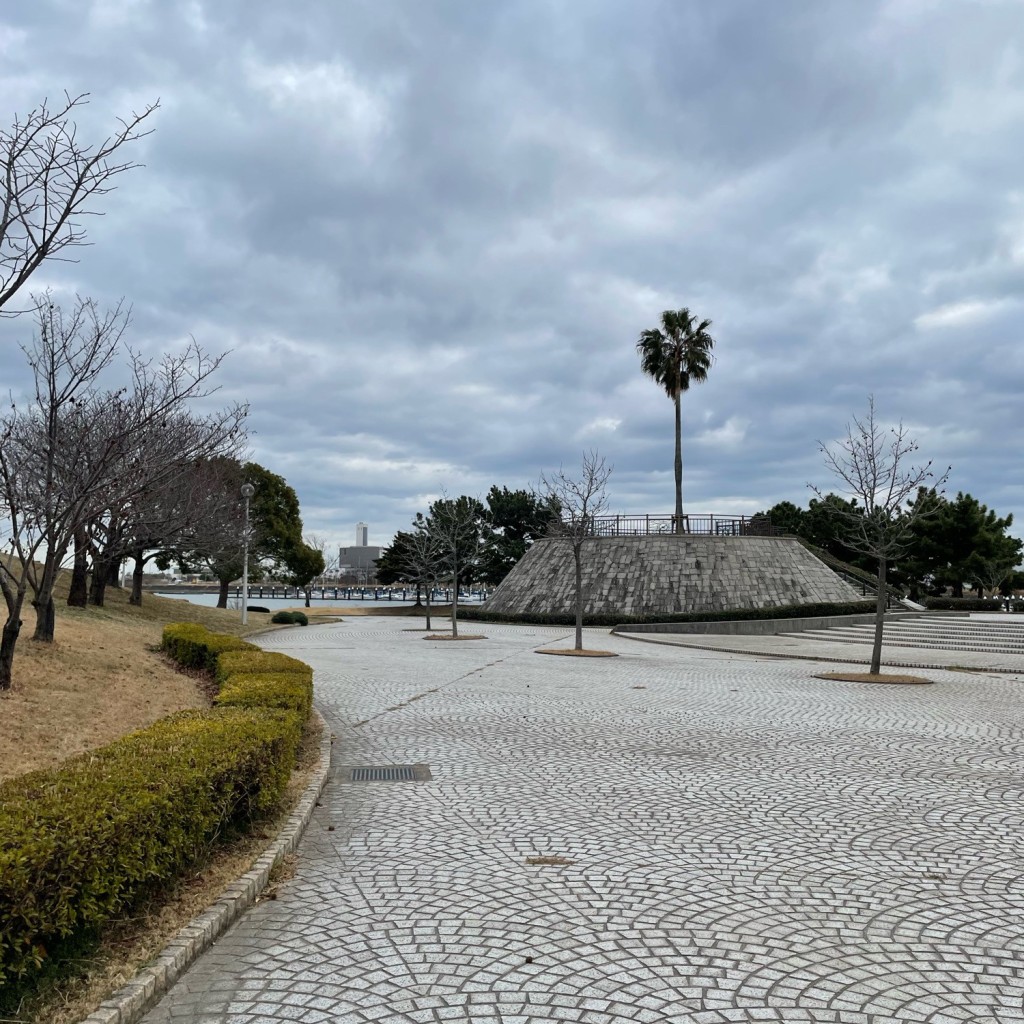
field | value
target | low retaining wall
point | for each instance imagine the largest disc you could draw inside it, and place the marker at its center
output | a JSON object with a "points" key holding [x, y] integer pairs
{"points": [[757, 627]]}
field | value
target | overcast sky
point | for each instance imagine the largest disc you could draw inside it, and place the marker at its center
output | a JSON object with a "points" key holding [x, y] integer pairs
{"points": [[431, 232]]}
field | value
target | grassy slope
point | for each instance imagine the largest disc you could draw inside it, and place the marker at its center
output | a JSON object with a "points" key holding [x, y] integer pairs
{"points": [[100, 679]]}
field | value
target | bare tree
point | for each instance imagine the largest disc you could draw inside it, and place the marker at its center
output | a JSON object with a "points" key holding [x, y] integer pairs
{"points": [[73, 453], [991, 573], [176, 470], [456, 526], [874, 464], [50, 180], [579, 501], [425, 561], [328, 552]]}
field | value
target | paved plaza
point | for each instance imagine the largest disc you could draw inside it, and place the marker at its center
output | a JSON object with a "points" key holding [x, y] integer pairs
{"points": [[672, 835]]}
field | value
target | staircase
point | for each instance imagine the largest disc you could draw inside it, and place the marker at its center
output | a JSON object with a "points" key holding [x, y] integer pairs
{"points": [[863, 582], [932, 632]]}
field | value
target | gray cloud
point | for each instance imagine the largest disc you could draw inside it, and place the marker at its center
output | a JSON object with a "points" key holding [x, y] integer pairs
{"points": [[431, 233]]}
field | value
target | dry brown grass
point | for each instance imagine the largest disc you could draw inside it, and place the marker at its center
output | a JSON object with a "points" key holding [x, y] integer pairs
{"points": [[875, 677], [549, 859], [99, 679], [571, 652], [461, 636]]}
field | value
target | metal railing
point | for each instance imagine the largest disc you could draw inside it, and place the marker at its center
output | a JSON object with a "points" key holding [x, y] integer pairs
{"points": [[700, 525]]}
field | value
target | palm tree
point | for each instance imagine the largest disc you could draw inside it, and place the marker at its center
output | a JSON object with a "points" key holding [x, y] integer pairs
{"points": [[675, 357]]}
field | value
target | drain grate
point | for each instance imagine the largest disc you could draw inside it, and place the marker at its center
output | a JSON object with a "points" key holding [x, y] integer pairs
{"points": [[387, 773]]}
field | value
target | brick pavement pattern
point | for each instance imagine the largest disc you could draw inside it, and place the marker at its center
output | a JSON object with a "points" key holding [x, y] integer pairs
{"points": [[733, 840]]}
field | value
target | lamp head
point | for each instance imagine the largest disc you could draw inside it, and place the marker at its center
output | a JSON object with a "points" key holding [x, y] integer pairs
{"points": [[248, 490]]}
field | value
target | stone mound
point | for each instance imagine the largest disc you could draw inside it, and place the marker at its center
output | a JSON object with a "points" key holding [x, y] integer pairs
{"points": [[669, 574]]}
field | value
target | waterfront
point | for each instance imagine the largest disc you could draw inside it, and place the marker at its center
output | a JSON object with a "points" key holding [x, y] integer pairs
{"points": [[209, 600]]}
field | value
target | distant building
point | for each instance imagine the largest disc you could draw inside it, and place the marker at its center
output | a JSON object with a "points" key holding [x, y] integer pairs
{"points": [[357, 563]]}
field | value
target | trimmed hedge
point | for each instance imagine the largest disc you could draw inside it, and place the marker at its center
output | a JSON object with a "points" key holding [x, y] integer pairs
{"points": [[232, 663], [792, 611], [288, 691], [194, 646], [82, 841], [963, 604]]}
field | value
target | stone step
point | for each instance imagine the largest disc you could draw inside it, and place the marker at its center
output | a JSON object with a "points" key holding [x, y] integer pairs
{"points": [[1014, 637], [865, 639]]}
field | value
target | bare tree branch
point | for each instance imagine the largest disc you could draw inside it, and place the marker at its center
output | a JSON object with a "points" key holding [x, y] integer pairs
{"points": [[874, 464], [580, 500], [49, 180]]}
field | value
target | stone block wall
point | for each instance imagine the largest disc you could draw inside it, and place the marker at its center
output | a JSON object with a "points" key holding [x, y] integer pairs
{"points": [[664, 574]]}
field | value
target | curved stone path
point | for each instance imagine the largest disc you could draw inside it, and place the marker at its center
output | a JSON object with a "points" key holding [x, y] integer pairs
{"points": [[726, 839]]}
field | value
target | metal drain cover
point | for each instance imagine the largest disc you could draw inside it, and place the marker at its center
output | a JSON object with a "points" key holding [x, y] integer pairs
{"points": [[385, 773]]}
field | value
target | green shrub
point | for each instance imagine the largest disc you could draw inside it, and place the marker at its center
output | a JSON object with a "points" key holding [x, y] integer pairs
{"points": [[81, 842], [794, 611], [232, 663], [290, 618], [194, 646], [288, 691], [963, 604]]}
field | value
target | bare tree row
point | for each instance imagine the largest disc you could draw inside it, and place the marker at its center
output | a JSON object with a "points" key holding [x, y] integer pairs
{"points": [[103, 472]]}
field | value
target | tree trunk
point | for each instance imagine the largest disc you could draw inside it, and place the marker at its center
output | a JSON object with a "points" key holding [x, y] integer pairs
{"points": [[78, 594], [8, 640], [46, 620], [880, 602], [577, 555], [428, 609], [679, 468], [958, 590], [98, 584], [43, 599], [114, 573], [307, 596], [137, 573], [455, 599], [222, 594]]}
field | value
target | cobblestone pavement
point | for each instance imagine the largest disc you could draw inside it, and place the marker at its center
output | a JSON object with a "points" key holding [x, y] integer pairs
{"points": [[726, 839]]}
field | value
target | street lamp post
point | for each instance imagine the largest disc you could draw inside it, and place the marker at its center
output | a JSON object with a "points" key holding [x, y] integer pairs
{"points": [[247, 492]]}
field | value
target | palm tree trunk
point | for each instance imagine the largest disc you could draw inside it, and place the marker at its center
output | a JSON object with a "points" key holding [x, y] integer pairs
{"points": [[679, 468]]}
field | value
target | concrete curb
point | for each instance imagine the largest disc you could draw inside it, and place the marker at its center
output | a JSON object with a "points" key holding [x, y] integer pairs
{"points": [[756, 627], [128, 1004]]}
